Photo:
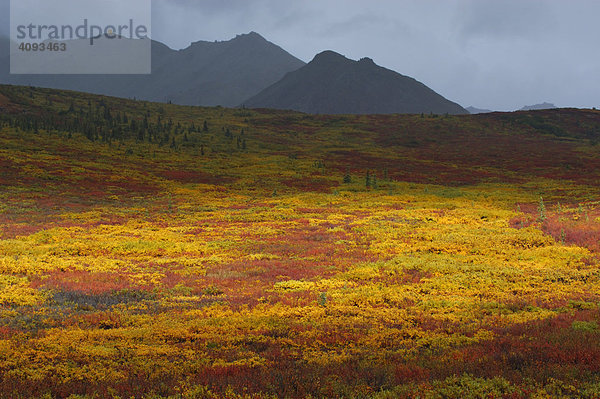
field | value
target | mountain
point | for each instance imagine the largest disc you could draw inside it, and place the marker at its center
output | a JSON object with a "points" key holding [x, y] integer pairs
{"points": [[473, 110], [334, 84], [538, 107], [206, 73]]}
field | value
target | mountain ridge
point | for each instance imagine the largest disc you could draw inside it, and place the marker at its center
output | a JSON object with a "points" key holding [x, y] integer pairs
{"points": [[537, 107], [334, 84], [474, 110], [204, 73], [239, 71]]}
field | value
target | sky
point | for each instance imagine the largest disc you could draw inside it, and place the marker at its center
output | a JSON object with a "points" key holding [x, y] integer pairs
{"points": [[494, 54]]}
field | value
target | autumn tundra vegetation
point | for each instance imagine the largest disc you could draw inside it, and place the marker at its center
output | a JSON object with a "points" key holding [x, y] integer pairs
{"points": [[160, 251]]}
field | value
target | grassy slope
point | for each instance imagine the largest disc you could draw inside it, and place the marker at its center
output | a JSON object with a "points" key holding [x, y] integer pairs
{"points": [[132, 268]]}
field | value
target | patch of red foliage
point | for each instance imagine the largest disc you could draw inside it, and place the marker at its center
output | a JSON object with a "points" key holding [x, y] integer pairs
{"points": [[306, 253], [13, 231], [580, 227], [315, 184], [192, 176], [7, 332], [295, 299], [583, 234], [412, 170], [538, 350], [506, 150], [283, 122], [102, 320], [83, 282], [6, 105], [411, 276], [12, 226], [4, 100], [313, 241], [98, 187], [173, 279]]}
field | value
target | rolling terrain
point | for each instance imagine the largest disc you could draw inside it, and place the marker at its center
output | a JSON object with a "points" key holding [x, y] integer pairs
{"points": [[249, 71], [153, 250]]}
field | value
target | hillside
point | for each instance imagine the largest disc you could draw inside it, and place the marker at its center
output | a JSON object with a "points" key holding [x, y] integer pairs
{"points": [[154, 251], [333, 84], [206, 73]]}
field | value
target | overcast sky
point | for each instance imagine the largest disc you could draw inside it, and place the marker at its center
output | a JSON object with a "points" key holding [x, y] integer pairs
{"points": [[496, 54]]}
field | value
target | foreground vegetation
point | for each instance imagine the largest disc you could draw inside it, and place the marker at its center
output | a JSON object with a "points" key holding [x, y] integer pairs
{"points": [[158, 251]]}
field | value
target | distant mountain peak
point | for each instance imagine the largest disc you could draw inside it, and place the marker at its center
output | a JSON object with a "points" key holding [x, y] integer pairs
{"points": [[367, 60], [249, 36], [206, 73], [535, 107], [474, 110], [328, 55], [334, 84]]}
